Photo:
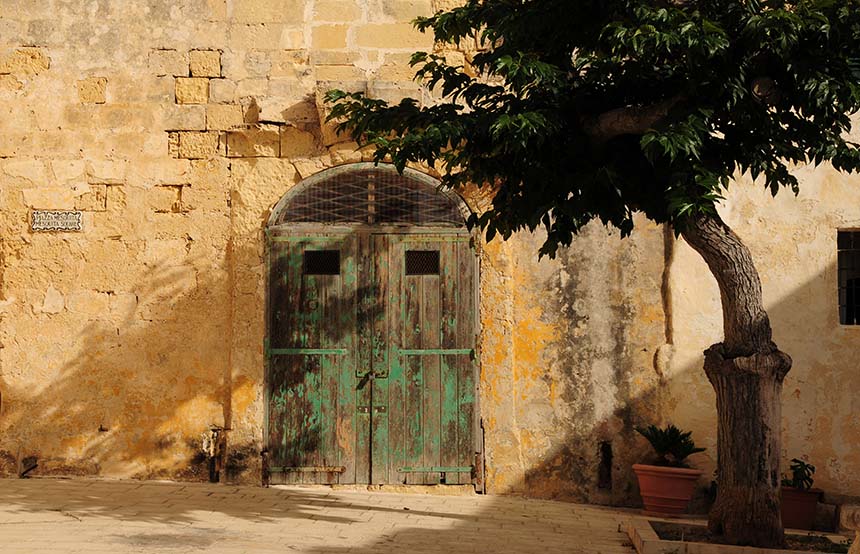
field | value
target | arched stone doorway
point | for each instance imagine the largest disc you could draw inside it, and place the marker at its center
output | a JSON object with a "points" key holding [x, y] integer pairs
{"points": [[372, 310]]}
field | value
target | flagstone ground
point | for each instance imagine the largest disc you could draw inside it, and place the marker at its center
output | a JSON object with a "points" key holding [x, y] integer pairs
{"points": [[93, 516]]}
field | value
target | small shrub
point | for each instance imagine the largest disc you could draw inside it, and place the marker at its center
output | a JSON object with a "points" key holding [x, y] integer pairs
{"points": [[801, 475], [672, 445]]}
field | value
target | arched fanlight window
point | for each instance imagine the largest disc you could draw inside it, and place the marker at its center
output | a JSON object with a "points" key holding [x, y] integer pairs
{"points": [[368, 194]]}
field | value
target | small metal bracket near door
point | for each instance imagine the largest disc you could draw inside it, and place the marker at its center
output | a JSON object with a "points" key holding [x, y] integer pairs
{"points": [[370, 375], [376, 409]]}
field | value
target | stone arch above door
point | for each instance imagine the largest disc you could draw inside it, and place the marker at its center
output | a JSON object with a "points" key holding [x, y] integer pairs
{"points": [[371, 341]]}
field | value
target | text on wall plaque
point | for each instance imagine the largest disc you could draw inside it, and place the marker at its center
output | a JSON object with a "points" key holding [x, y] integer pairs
{"points": [[57, 220]]}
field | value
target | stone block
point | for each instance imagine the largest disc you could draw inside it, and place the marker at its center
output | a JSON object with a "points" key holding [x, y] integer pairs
{"points": [[92, 90], [54, 302], [303, 111], [849, 517], [329, 37], [338, 73], [24, 61], [205, 63], [168, 63], [93, 200], [182, 117], [252, 87], [122, 304], [169, 252], [68, 170], [49, 198], [257, 63], [392, 91], [407, 10], [336, 10], [290, 63], [392, 36], [89, 303], [257, 142], [29, 170], [255, 36], [345, 152], [192, 90], [308, 166], [333, 57], [268, 11], [296, 143], [293, 38], [107, 171], [165, 199], [223, 116], [196, 145], [222, 91]]}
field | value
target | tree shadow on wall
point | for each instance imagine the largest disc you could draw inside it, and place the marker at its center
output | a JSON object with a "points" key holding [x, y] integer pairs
{"points": [[142, 389]]}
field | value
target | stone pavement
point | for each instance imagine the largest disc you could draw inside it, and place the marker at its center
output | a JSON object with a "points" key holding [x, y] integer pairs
{"points": [[95, 516]]}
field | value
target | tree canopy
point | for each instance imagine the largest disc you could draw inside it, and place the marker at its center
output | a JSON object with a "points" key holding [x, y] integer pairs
{"points": [[574, 110], [585, 109]]}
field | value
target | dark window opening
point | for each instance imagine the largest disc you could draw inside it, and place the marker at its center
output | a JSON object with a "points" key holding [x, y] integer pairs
{"points": [[422, 262], [848, 246], [321, 262], [604, 470]]}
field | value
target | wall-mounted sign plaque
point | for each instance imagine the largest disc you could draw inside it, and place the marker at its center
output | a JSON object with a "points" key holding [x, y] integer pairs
{"points": [[57, 220]]}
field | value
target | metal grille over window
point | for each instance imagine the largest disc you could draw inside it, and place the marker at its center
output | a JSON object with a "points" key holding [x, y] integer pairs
{"points": [[848, 244], [321, 262], [370, 196], [422, 262]]}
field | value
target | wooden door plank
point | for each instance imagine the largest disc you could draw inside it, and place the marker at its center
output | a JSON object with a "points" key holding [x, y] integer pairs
{"points": [[379, 361], [345, 423], [431, 369], [449, 365], [398, 413], [364, 253], [325, 405], [414, 378], [467, 312]]}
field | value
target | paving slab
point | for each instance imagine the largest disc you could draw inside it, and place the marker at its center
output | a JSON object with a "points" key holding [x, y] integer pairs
{"points": [[119, 517]]}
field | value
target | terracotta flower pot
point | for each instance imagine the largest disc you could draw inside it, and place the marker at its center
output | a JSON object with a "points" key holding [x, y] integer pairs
{"points": [[798, 507], [666, 491]]}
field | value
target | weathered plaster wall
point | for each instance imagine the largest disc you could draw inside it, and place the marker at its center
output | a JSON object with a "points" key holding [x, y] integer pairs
{"points": [[175, 126], [793, 242], [569, 347]]}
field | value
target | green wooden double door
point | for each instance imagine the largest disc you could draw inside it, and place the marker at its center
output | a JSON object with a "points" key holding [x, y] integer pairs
{"points": [[371, 359]]}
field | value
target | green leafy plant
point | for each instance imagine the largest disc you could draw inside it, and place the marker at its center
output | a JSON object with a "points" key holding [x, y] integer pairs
{"points": [[801, 475], [672, 445]]}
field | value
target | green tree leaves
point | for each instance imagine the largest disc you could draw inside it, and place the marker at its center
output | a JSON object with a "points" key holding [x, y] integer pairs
{"points": [[575, 110]]}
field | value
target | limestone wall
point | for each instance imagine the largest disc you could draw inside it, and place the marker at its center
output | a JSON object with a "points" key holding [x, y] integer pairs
{"points": [[793, 242], [175, 127]]}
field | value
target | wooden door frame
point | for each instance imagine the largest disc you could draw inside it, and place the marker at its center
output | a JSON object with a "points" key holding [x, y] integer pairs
{"points": [[292, 231]]}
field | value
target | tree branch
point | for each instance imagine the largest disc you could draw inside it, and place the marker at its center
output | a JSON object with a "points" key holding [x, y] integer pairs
{"points": [[630, 120]]}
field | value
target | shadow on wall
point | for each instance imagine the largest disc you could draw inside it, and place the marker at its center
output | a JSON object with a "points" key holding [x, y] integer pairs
{"points": [[139, 386], [140, 393]]}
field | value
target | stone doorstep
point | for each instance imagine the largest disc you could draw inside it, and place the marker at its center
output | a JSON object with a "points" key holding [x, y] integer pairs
{"points": [[436, 490], [646, 541]]}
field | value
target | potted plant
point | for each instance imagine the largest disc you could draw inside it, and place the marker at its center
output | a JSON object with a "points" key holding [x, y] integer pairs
{"points": [[667, 485], [799, 499]]}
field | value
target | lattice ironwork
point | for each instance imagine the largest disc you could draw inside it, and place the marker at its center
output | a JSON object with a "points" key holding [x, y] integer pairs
{"points": [[371, 196], [422, 262]]}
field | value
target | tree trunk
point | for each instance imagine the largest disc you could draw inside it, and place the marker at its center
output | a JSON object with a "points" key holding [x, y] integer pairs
{"points": [[746, 371]]}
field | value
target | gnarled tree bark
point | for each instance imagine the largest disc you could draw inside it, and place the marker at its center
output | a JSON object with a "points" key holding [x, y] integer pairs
{"points": [[746, 371]]}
